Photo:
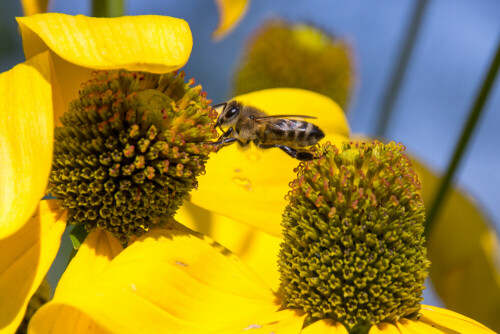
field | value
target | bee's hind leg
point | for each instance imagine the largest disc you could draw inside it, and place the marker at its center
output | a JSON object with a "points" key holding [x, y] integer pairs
{"points": [[299, 155]]}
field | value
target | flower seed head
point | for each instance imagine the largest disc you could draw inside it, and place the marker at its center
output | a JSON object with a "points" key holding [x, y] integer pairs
{"points": [[353, 246], [130, 149]]}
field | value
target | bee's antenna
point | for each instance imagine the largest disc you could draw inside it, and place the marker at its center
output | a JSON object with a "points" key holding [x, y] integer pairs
{"points": [[224, 104]]}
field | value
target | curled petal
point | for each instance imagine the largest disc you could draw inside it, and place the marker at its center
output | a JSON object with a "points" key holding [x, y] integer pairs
{"points": [[26, 258], [150, 43], [26, 140], [230, 13], [257, 180], [167, 279]]}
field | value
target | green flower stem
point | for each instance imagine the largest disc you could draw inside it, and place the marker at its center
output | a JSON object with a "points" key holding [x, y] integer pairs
{"points": [[396, 80], [108, 8], [475, 113]]}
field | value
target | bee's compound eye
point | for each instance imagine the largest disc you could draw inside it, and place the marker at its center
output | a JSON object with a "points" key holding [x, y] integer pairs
{"points": [[233, 111]]}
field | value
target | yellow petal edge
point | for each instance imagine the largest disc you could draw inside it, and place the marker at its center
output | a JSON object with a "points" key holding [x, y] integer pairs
{"points": [[26, 257], [157, 44], [93, 257], [26, 140], [230, 13], [250, 185]]}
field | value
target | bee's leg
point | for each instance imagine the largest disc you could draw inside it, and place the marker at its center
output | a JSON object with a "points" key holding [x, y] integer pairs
{"points": [[299, 155], [224, 141], [226, 134]]}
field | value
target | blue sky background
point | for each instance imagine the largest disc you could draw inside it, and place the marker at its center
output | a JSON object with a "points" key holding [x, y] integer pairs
{"points": [[454, 48]]}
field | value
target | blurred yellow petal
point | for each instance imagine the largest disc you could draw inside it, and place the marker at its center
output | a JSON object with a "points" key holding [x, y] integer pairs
{"points": [[384, 328], [230, 13], [325, 326], [26, 140], [257, 249], [93, 257], [167, 279], [32, 7], [250, 185], [446, 319], [464, 251], [26, 258], [80, 44]]}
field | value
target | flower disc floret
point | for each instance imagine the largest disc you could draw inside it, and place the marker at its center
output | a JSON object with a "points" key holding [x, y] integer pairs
{"points": [[130, 149], [353, 246]]}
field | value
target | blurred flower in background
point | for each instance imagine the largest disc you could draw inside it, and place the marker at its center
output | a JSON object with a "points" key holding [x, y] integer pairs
{"points": [[282, 54]]}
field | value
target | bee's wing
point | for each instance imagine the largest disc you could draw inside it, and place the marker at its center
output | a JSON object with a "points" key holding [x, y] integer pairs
{"points": [[284, 116]]}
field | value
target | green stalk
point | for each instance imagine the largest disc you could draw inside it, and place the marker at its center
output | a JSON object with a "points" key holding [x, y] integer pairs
{"points": [[108, 8], [462, 143], [396, 80]]}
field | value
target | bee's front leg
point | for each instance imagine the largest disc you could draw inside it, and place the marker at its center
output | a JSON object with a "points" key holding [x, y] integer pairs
{"points": [[223, 139]]}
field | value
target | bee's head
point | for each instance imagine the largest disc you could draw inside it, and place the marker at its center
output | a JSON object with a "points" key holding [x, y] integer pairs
{"points": [[229, 114]]}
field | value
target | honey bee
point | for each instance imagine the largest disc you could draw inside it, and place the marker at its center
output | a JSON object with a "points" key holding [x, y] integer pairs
{"points": [[248, 124]]}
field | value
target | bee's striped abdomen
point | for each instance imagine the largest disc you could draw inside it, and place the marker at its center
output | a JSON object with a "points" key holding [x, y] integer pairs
{"points": [[291, 132]]}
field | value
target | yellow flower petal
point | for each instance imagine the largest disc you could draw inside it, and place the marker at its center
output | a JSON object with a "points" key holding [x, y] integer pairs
{"points": [[406, 326], [325, 326], [26, 258], [230, 13], [257, 249], [62, 319], [384, 328], [467, 278], [80, 44], [150, 43], [286, 321], [250, 186], [446, 319], [93, 257], [31, 7], [26, 140], [167, 279]]}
